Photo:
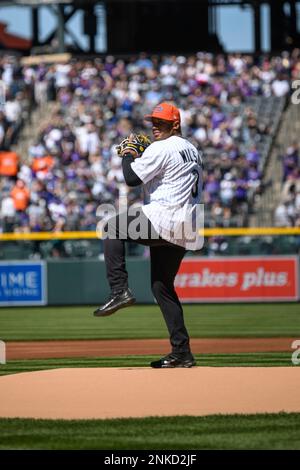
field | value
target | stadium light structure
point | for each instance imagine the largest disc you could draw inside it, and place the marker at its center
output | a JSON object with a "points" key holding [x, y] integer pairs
{"points": [[128, 23], [34, 2]]}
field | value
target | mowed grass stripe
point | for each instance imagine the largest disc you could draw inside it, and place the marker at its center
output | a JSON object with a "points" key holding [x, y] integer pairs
{"points": [[210, 360], [261, 431], [145, 321]]}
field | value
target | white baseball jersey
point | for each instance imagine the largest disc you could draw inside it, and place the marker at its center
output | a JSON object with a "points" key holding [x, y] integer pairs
{"points": [[171, 170]]}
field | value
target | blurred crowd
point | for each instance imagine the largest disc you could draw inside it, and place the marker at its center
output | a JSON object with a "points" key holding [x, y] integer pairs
{"points": [[16, 101], [72, 166], [287, 214]]}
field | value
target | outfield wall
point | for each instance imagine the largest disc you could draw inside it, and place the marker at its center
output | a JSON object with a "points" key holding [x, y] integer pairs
{"points": [[200, 279], [84, 282]]}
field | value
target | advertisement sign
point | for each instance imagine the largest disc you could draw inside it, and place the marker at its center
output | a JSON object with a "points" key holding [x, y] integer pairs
{"points": [[23, 283], [238, 279]]}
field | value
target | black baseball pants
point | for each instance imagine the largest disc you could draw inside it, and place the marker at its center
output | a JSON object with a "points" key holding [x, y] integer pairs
{"points": [[165, 262]]}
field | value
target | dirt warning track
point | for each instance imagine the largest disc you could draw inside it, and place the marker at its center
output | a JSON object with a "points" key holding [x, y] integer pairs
{"points": [[107, 348]]}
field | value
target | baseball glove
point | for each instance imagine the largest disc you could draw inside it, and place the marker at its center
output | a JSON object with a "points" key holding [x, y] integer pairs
{"points": [[135, 144]]}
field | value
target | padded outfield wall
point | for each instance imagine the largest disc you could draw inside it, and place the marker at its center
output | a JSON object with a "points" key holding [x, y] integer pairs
{"points": [[200, 279]]}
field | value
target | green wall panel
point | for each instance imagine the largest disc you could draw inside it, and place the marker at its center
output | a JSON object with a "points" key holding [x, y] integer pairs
{"points": [[84, 282]]}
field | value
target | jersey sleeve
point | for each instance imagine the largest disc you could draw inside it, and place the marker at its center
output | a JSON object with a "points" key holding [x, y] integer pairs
{"points": [[150, 164]]}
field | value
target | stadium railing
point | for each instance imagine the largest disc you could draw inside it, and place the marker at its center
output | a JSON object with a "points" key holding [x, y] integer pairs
{"points": [[86, 244]]}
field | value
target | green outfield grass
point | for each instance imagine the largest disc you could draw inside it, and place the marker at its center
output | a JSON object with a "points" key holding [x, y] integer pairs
{"points": [[145, 321], [261, 431], [209, 360]]}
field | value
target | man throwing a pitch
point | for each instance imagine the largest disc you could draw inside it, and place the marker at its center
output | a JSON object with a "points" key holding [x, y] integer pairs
{"points": [[170, 169]]}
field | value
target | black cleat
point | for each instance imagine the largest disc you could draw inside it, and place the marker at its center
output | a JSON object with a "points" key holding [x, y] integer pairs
{"points": [[174, 360], [114, 303]]}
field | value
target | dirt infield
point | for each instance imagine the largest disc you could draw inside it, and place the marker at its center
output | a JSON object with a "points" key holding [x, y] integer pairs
{"points": [[107, 348], [139, 392]]}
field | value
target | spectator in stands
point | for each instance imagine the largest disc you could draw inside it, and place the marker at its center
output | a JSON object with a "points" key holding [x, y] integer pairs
{"points": [[287, 213], [284, 215], [20, 195], [13, 113], [227, 189], [3, 131], [9, 162], [280, 86], [7, 212], [290, 161]]}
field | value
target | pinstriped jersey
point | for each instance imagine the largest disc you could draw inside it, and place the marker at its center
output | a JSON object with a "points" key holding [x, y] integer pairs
{"points": [[171, 170]]}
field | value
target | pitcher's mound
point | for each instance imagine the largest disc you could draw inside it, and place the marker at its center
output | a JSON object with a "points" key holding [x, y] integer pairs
{"points": [[122, 392]]}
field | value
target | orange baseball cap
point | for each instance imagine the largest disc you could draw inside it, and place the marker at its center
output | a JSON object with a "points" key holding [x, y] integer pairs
{"points": [[164, 111]]}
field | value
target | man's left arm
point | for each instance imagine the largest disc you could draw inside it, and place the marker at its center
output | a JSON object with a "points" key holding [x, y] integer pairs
{"points": [[131, 178]]}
